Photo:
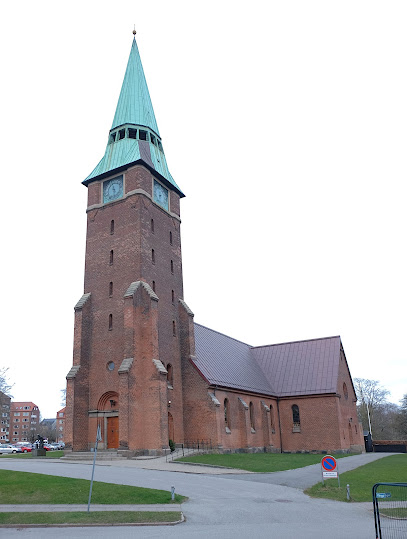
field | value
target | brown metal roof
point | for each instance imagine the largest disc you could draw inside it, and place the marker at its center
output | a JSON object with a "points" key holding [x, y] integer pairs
{"points": [[226, 362], [302, 367], [294, 368]]}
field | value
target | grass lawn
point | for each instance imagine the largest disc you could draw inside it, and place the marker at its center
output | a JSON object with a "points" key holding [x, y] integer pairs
{"points": [[32, 488], [391, 469], [96, 517], [49, 455], [400, 513], [259, 462]]}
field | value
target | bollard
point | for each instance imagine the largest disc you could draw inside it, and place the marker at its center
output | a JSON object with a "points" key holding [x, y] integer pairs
{"points": [[347, 492], [172, 493]]}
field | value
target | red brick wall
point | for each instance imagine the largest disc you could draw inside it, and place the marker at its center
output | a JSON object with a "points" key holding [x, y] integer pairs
{"points": [[351, 431], [132, 242]]}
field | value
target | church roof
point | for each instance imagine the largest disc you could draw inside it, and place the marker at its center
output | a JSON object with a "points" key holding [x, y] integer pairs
{"points": [[226, 362], [288, 369], [302, 367], [134, 136]]}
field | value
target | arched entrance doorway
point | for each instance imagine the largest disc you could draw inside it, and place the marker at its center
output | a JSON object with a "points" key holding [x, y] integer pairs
{"points": [[108, 419]]}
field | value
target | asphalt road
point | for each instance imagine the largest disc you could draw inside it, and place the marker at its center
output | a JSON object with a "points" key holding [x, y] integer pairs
{"points": [[220, 506]]}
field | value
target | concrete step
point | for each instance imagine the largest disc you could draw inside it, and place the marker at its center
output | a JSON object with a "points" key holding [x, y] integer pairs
{"points": [[90, 455]]}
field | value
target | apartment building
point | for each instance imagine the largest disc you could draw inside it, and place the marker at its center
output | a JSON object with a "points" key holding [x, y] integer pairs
{"points": [[5, 402], [24, 421], [60, 425]]}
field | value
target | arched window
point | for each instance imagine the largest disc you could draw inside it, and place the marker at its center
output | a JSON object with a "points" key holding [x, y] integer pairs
{"points": [[112, 226], [153, 256], [170, 380], [174, 332], [110, 322], [170, 237], [296, 418], [172, 266], [110, 289], [172, 296], [152, 226], [111, 257], [345, 391], [226, 414], [251, 412], [271, 417], [153, 286]]}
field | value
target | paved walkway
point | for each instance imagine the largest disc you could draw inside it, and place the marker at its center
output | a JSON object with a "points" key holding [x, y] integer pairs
{"points": [[160, 463], [220, 506]]}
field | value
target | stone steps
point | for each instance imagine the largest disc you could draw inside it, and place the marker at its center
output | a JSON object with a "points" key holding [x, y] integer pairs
{"points": [[90, 455]]}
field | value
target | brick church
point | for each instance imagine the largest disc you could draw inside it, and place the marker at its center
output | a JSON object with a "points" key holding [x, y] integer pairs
{"points": [[143, 371]]}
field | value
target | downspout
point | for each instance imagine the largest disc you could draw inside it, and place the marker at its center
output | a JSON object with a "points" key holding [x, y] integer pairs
{"points": [[279, 425]]}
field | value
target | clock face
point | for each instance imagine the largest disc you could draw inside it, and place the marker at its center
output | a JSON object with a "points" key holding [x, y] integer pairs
{"points": [[113, 189], [160, 194]]}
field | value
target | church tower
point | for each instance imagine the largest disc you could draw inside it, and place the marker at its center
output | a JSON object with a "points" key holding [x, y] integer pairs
{"points": [[126, 373]]}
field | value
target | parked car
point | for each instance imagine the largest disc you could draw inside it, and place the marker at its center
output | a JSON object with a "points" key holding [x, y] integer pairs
{"points": [[8, 448], [54, 446], [26, 448], [58, 445]]}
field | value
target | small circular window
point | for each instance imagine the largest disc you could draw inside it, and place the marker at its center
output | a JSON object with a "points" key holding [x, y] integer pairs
{"points": [[345, 391], [110, 366]]}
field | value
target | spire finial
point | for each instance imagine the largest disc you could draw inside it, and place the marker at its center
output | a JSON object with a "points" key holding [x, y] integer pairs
{"points": [[134, 30]]}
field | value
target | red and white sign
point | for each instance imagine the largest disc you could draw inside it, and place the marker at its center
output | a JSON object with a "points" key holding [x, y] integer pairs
{"points": [[329, 469]]}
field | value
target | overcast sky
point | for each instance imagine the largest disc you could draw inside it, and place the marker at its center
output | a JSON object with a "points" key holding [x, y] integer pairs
{"points": [[284, 123]]}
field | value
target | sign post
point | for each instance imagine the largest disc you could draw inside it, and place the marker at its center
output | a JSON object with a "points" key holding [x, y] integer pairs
{"points": [[329, 468], [98, 439]]}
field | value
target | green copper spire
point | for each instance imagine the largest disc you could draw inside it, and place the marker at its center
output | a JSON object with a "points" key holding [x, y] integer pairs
{"points": [[134, 104], [134, 135]]}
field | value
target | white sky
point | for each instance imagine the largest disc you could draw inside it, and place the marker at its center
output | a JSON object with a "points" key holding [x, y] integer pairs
{"points": [[283, 122]]}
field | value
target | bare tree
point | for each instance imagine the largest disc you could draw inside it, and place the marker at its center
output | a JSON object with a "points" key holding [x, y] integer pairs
{"points": [[63, 397], [371, 398], [402, 418], [5, 386]]}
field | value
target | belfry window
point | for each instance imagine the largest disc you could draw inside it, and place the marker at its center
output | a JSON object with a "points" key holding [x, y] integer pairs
{"points": [[122, 134], [152, 225], [112, 226], [112, 138], [170, 237], [170, 380], [172, 266], [110, 322], [160, 146], [153, 286], [142, 135], [174, 329], [132, 133], [111, 257], [172, 296], [153, 256], [153, 139], [110, 289]]}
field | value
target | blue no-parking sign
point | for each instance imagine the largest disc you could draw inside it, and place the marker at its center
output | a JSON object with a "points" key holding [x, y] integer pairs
{"points": [[329, 469]]}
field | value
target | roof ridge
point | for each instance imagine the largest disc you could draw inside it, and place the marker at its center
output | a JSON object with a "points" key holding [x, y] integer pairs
{"points": [[223, 334], [294, 342]]}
